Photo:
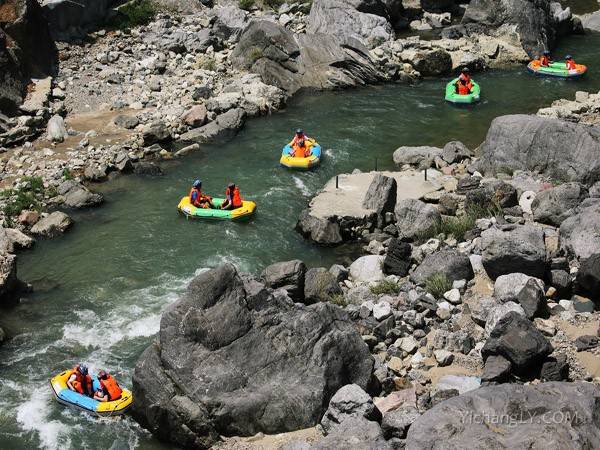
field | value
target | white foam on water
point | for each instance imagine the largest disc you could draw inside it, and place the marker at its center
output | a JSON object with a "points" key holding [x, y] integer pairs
{"points": [[218, 259], [32, 415], [335, 154], [300, 185], [424, 105]]}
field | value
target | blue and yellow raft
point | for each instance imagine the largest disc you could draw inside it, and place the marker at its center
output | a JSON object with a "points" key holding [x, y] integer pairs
{"points": [[74, 399], [291, 162]]}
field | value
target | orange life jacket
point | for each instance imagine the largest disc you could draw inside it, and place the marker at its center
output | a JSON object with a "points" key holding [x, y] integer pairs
{"points": [[200, 197], [110, 386], [571, 65], [544, 61], [81, 383], [236, 198], [301, 152]]}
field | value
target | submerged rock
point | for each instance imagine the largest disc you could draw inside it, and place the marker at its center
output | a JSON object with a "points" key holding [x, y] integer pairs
{"points": [[273, 368]]}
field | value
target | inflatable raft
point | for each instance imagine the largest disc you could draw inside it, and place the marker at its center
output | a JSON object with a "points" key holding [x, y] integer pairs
{"points": [[246, 211], [453, 97], [556, 69], [291, 162], [74, 399]]}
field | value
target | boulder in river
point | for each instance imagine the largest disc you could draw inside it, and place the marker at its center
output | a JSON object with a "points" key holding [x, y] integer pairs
{"points": [[288, 275], [78, 196], [221, 130], [273, 368], [53, 224], [522, 142], [562, 415]]}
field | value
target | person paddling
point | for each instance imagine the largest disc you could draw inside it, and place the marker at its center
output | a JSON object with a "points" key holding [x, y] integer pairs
{"points": [[545, 59], [570, 62], [198, 198], [80, 381], [109, 388], [464, 84], [233, 199]]}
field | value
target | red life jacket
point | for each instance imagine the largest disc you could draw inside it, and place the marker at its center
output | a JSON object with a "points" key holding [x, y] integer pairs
{"points": [[81, 383], [571, 65], [463, 89], [236, 198], [200, 197], [110, 386], [544, 61]]}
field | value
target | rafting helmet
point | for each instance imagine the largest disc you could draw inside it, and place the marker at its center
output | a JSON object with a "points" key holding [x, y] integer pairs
{"points": [[546, 53], [299, 131], [568, 57], [197, 184], [82, 368], [101, 374], [465, 70]]}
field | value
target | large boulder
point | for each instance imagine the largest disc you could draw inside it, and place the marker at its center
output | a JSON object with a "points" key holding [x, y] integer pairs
{"points": [[356, 433], [588, 278], [291, 62], [77, 196], [272, 369], [562, 415], [9, 283], [365, 20], [220, 130], [325, 231], [507, 287], [432, 63], [230, 21], [537, 144], [69, 19], [414, 217], [456, 266], [381, 195], [367, 268], [520, 249], [53, 224], [288, 275], [580, 233], [416, 156], [398, 258], [516, 338], [554, 206], [350, 401], [535, 21], [12, 80]]}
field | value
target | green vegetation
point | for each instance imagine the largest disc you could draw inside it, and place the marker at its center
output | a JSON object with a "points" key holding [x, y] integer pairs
{"points": [[385, 287], [438, 284], [273, 4], [206, 62], [459, 226], [135, 13], [23, 198], [507, 170], [66, 173], [246, 4], [255, 54], [339, 300]]}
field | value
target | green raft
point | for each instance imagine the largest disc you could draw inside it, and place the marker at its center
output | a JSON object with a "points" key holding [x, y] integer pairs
{"points": [[453, 97], [244, 212]]}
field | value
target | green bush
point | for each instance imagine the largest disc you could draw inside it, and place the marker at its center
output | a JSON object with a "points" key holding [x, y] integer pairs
{"points": [[339, 299], [255, 54], [23, 198], [206, 62], [66, 173], [438, 284], [135, 13], [385, 287], [246, 4]]}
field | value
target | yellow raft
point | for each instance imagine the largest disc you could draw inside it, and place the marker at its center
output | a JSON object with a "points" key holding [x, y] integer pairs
{"points": [[67, 397], [291, 162], [244, 212]]}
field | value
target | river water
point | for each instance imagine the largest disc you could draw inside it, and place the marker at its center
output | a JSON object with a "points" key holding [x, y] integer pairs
{"points": [[100, 289]]}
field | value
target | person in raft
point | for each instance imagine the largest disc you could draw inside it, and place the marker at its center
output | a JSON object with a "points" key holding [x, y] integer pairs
{"points": [[570, 63], [299, 146], [545, 59], [464, 84], [198, 198], [109, 388], [233, 199], [80, 380]]}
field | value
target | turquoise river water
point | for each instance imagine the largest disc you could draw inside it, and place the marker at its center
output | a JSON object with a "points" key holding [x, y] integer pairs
{"points": [[100, 288]]}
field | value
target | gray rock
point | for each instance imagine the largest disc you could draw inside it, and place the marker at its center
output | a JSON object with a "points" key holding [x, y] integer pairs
{"points": [[230, 21], [522, 142], [78, 196], [432, 63], [322, 231], [492, 194], [414, 217], [555, 369], [533, 300], [583, 343], [497, 312], [56, 130], [196, 116], [455, 265], [127, 122], [320, 286], [289, 275], [507, 287], [367, 268], [350, 401], [226, 383], [588, 277], [363, 20], [496, 369], [481, 309], [9, 283], [554, 206], [580, 234], [355, 433], [591, 21], [516, 339], [381, 195], [219, 131], [395, 424], [521, 249], [69, 19], [154, 132], [147, 168], [459, 423], [416, 156], [455, 151], [339, 272], [53, 224]]}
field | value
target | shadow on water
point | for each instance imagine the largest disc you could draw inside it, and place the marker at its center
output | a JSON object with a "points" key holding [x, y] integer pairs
{"points": [[105, 283]]}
